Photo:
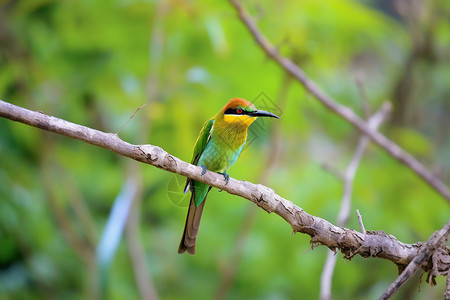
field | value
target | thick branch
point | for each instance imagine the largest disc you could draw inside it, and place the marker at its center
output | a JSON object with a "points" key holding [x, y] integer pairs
{"points": [[350, 242], [346, 113]]}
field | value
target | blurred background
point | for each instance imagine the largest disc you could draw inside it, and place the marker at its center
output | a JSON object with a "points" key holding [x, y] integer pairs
{"points": [[64, 203]]}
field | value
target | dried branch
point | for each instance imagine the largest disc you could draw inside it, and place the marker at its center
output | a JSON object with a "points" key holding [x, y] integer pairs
{"points": [[435, 242], [132, 116], [350, 242], [346, 113], [344, 212]]}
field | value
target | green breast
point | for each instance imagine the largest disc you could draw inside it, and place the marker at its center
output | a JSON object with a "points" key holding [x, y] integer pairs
{"points": [[223, 148]]}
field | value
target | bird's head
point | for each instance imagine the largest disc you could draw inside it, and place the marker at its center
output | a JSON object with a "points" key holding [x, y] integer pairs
{"points": [[241, 111]]}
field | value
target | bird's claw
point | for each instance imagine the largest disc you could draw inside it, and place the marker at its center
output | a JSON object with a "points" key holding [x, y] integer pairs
{"points": [[203, 169], [226, 176]]}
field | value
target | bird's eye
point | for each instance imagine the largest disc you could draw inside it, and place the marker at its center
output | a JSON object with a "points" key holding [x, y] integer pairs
{"points": [[239, 110]]}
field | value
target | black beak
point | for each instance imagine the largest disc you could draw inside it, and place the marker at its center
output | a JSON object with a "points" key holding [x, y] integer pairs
{"points": [[262, 113]]}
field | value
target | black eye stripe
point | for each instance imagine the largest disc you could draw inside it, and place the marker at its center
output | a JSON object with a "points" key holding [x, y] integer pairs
{"points": [[235, 111], [238, 111], [231, 111]]}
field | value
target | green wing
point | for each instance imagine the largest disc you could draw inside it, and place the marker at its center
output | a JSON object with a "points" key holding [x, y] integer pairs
{"points": [[202, 141], [200, 145]]}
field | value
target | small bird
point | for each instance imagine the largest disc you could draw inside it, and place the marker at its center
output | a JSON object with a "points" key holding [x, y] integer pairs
{"points": [[217, 147]]}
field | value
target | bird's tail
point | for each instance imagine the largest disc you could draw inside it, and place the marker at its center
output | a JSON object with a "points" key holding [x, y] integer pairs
{"points": [[191, 227]]}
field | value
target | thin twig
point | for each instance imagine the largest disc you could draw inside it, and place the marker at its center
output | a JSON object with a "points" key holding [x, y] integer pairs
{"points": [[373, 244], [434, 242], [346, 113], [361, 224], [131, 117]]}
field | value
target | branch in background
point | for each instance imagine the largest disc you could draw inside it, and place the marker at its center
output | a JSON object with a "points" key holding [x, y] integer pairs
{"points": [[346, 113], [350, 242], [344, 212], [374, 122], [434, 244], [144, 281]]}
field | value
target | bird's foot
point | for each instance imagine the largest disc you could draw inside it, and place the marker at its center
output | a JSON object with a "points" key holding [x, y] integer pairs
{"points": [[226, 176], [203, 169]]}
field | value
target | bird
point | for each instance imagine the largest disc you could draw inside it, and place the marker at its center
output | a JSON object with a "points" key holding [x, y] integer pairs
{"points": [[217, 148]]}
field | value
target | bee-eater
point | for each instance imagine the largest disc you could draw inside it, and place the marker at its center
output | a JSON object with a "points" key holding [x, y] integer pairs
{"points": [[217, 147]]}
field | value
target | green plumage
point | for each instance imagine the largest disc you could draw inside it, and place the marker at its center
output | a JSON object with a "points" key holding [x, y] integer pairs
{"points": [[217, 147]]}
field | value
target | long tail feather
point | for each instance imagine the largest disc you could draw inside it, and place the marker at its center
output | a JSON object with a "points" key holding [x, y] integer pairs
{"points": [[191, 227]]}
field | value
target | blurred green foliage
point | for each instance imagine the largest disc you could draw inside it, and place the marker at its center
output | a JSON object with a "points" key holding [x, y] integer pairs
{"points": [[95, 62]]}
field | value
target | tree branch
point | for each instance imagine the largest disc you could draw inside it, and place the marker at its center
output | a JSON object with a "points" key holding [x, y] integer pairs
{"points": [[344, 212], [350, 242], [346, 113], [374, 122], [436, 241]]}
